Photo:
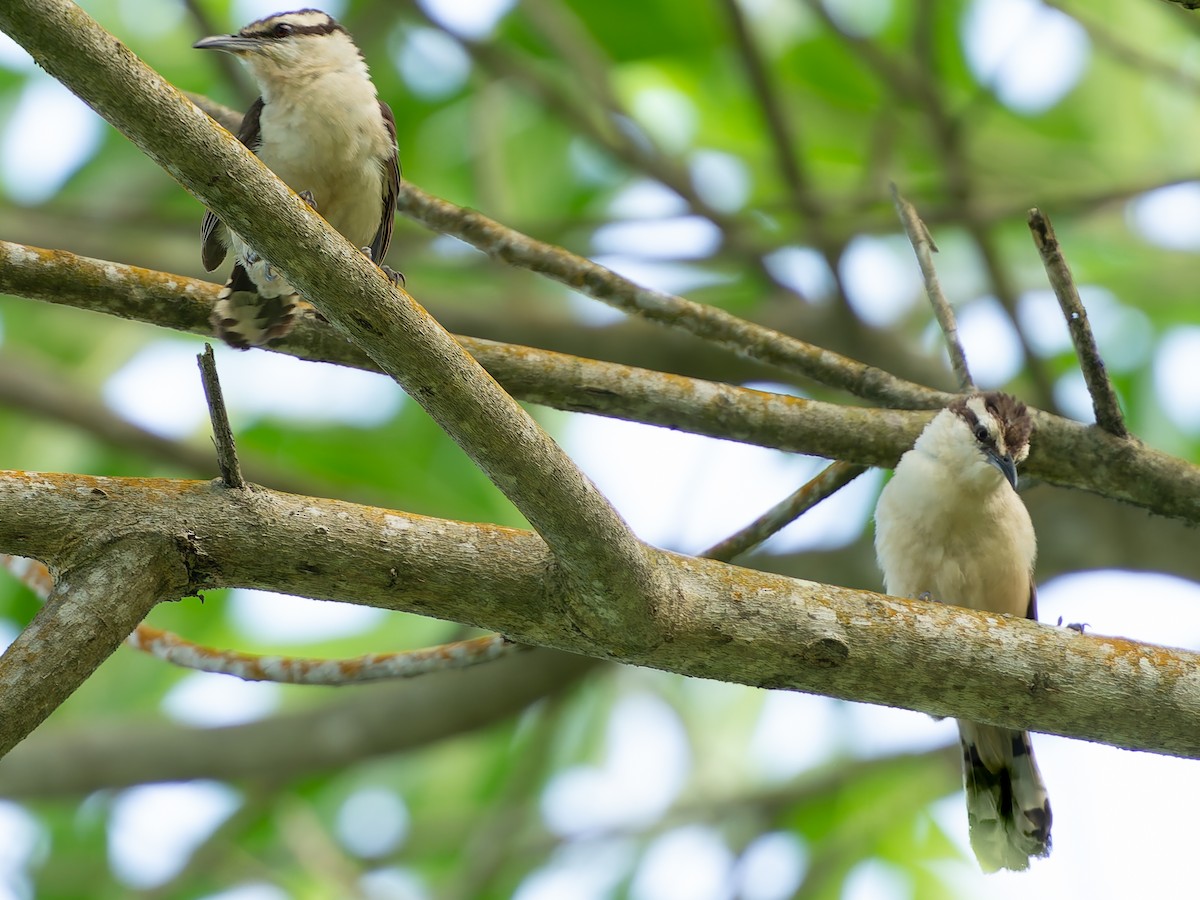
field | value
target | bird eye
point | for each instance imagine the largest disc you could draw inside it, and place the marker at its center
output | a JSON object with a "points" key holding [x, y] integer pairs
{"points": [[981, 433], [283, 29]]}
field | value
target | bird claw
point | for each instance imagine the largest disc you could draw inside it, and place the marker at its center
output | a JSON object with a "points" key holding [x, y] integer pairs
{"points": [[307, 197], [396, 278], [1075, 626], [928, 597]]}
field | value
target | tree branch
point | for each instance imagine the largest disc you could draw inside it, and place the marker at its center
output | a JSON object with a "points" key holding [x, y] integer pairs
{"points": [[227, 459], [96, 602], [724, 329], [372, 721], [829, 481], [173, 649], [924, 248], [1104, 398], [1063, 452], [726, 623], [593, 547]]}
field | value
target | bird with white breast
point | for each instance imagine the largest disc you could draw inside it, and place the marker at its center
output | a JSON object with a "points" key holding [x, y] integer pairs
{"points": [[320, 126], [950, 526]]}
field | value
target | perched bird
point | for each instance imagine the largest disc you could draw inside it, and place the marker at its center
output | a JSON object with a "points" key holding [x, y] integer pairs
{"points": [[319, 126], [950, 526]]}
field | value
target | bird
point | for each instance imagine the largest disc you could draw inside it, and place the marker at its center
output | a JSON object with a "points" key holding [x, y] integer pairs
{"points": [[320, 126], [950, 526]]}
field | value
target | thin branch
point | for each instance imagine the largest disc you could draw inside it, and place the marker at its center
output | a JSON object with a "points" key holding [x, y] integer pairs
{"points": [[373, 720], [924, 247], [706, 322], [539, 376], [1104, 398], [830, 480], [30, 385], [172, 648], [227, 459], [725, 622], [594, 548]]}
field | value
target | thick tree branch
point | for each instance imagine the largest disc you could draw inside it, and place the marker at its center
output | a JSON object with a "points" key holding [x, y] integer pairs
{"points": [[96, 602], [593, 547], [727, 623]]}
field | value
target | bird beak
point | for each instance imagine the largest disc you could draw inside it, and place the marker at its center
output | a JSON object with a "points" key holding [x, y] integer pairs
{"points": [[230, 43], [1007, 467]]}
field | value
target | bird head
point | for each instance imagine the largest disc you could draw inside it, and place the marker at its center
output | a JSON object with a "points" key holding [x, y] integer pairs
{"points": [[997, 428], [288, 46]]}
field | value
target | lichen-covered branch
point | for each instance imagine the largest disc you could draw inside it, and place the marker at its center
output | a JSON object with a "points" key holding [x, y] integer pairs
{"points": [[726, 622], [592, 546]]}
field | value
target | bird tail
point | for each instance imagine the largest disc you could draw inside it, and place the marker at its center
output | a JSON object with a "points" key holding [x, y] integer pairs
{"points": [[1007, 807], [246, 316]]}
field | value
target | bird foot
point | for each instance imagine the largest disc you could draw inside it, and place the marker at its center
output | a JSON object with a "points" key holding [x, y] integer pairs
{"points": [[307, 197], [1075, 626], [396, 278]]}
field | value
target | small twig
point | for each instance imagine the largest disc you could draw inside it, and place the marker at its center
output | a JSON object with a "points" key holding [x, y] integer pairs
{"points": [[172, 648], [231, 472], [829, 481], [1104, 397], [924, 247]]}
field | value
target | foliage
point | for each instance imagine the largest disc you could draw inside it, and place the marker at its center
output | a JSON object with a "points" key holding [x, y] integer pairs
{"points": [[565, 121]]}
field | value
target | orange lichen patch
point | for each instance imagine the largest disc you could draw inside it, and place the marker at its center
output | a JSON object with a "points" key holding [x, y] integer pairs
{"points": [[1166, 661], [297, 670]]}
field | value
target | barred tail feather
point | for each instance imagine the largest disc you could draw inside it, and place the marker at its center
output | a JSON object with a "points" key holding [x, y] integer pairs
{"points": [[243, 317], [1007, 807]]}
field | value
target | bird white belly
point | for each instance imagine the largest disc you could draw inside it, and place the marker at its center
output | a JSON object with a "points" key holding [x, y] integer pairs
{"points": [[974, 552]]}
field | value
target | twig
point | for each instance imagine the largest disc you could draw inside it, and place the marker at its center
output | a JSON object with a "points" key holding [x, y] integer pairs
{"points": [[924, 247], [830, 480], [28, 384], [295, 670], [227, 459], [1104, 397]]}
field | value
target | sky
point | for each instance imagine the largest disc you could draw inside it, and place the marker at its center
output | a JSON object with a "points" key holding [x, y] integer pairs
{"points": [[1111, 807]]}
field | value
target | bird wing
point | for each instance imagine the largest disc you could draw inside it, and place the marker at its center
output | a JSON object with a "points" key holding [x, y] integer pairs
{"points": [[391, 187], [212, 248]]}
